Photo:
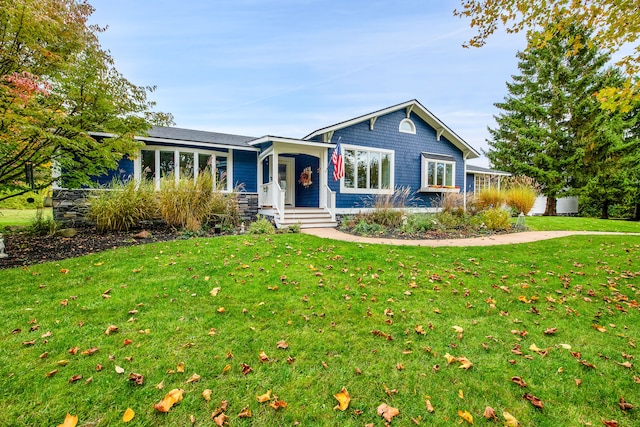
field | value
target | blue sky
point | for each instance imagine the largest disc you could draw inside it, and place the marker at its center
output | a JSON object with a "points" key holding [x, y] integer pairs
{"points": [[289, 67]]}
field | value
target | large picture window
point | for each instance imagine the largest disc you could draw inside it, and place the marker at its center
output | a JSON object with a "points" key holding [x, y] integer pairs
{"points": [[157, 163], [438, 172], [367, 170]]}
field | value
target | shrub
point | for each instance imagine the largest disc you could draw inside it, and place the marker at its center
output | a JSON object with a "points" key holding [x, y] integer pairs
{"points": [[261, 226], [496, 219], [366, 229], [489, 198], [189, 204], [419, 223], [521, 198], [42, 225], [119, 207]]}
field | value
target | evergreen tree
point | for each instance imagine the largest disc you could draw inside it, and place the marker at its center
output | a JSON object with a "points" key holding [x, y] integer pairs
{"points": [[549, 108]]}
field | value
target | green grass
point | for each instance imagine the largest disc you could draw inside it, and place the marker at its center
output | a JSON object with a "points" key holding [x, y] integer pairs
{"points": [[325, 298], [549, 223], [20, 217]]}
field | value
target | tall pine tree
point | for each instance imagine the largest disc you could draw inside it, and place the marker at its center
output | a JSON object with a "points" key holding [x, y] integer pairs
{"points": [[550, 106]]}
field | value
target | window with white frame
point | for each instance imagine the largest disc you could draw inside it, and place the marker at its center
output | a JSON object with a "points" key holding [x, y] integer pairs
{"points": [[407, 126], [438, 171], [161, 162], [367, 170], [484, 181]]}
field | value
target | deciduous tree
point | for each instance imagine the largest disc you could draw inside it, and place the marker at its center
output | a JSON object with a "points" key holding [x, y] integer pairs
{"points": [[57, 87]]}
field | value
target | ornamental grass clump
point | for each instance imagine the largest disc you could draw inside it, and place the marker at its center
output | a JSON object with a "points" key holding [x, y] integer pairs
{"points": [[521, 193], [387, 208], [487, 198], [189, 204], [122, 206]]}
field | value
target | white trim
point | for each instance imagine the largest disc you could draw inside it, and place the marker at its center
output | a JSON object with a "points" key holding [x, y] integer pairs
{"points": [[424, 177], [417, 109], [347, 190], [291, 141], [412, 125], [177, 142], [355, 211]]}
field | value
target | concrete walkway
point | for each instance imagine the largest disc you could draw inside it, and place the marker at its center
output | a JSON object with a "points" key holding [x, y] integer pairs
{"points": [[501, 239]]}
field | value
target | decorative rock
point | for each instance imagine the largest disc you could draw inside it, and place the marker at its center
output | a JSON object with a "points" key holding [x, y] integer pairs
{"points": [[144, 234], [66, 232]]}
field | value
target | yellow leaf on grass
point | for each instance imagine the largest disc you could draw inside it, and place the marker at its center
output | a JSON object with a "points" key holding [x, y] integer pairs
{"points": [[180, 367], [194, 379], [171, 398], [458, 329], [128, 415], [207, 394], [264, 397], [461, 394], [69, 421], [343, 399], [464, 363], [450, 358], [509, 420], [465, 415]]}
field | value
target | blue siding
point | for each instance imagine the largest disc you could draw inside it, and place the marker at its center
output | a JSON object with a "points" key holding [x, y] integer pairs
{"points": [[307, 197], [123, 172], [245, 170], [471, 183], [408, 149]]}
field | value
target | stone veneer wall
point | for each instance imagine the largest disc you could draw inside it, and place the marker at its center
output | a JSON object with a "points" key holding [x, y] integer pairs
{"points": [[70, 207]]}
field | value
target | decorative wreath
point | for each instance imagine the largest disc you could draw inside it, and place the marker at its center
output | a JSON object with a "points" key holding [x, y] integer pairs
{"points": [[305, 177]]}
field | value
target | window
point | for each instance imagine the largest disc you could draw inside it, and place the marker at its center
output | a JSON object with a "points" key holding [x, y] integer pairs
{"points": [[483, 182], [367, 170], [407, 126], [438, 172], [158, 163]]}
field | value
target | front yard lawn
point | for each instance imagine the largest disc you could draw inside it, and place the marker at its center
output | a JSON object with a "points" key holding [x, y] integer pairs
{"points": [[303, 317]]}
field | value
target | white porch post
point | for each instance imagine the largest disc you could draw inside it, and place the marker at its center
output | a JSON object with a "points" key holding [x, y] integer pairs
{"points": [[323, 178], [274, 177]]}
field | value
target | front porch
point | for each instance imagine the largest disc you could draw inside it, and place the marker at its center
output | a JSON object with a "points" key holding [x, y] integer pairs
{"points": [[293, 182]]}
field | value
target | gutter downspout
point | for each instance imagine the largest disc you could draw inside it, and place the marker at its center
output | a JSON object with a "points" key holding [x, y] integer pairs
{"points": [[464, 180]]}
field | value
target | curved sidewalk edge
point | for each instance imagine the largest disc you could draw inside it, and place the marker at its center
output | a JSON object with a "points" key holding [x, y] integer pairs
{"points": [[499, 239]]}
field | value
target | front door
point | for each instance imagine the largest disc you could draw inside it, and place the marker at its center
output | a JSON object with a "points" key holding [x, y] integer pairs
{"points": [[286, 169]]}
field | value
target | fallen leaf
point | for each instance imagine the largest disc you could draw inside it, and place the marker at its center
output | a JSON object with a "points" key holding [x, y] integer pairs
{"points": [[624, 405], [171, 398], [220, 419], [264, 397], [429, 406], [90, 351], [519, 381], [128, 415], [127, 341], [207, 394], [213, 292], [246, 369], [69, 421], [550, 331], [119, 370], [610, 423], [245, 413], [450, 358], [282, 344], [343, 399], [509, 420], [534, 400], [263, 357], [464, 363], [490, 413], [387, 412], [160, 385], [75, 378], [277, 404], [194, 378], [51, 373], [136, 378], [180, 367], [599, 328], [418, 329], [465, 415], [110, 329]]}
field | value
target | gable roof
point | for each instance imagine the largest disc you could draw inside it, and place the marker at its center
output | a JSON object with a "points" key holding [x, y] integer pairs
{"points": [[412, 106]]}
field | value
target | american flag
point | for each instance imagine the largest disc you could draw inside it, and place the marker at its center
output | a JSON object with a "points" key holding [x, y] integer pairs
{"points": [[338, 162]]}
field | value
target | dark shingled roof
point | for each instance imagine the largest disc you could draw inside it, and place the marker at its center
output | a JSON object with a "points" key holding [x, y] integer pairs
{"points": [[179, 134], [480, 169]]}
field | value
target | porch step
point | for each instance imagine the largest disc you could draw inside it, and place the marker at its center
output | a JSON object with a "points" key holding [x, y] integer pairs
{"points": [[308, 218]]}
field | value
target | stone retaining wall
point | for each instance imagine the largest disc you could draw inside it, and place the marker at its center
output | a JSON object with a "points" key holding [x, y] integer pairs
{"points": [[70, 207]]}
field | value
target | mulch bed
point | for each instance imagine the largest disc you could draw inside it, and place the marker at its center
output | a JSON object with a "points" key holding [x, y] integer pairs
{"points": [[24, 249]]}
